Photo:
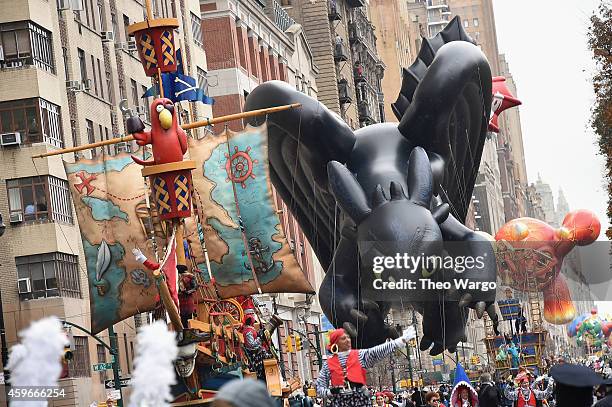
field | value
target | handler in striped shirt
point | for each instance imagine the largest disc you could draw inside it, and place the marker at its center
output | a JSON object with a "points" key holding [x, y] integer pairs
{"points": [[343, 376]]}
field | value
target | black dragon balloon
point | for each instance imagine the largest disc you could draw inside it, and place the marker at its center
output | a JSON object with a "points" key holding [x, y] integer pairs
{"points": [[390, 188]]}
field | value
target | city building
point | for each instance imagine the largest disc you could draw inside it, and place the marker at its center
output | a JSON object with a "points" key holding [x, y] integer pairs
{"points": [[562, 207], [64, 68], [344, 44], [533, 203], [547, 201], [249, 42], [400, 25], [511, 153], [479, 22]]}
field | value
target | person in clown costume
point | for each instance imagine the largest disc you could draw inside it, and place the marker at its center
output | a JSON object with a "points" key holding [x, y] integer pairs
{"points": [[527, 395], [342, 380], [463, 394]]}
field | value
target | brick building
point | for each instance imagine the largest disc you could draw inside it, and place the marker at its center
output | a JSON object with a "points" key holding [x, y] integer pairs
{"points": [[64, 67], [344, 48], [249, 42]]}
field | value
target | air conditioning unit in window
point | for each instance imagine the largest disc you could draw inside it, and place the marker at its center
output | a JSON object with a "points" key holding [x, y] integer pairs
{"points": [[16, 217], [10, 139], [86, 84], [131, 46], [24, 286], [108, 36], [73, 85]]}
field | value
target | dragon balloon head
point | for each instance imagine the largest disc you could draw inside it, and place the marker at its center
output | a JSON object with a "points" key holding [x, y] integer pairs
{"points": [[415, 228]]}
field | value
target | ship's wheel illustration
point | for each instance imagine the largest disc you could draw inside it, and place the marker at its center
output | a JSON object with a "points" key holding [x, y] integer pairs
{"points": [[227, 311], [239, 166]]}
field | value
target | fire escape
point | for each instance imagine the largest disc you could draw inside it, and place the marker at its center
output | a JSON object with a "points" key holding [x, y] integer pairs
{"points": [[368, 69]]}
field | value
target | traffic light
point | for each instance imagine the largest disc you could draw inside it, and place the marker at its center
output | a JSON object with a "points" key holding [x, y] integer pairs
{"points": [[289, 344], [298, 342]]}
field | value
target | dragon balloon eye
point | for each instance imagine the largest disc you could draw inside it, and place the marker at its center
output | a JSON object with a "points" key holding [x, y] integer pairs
{"points": [[159, 108]]}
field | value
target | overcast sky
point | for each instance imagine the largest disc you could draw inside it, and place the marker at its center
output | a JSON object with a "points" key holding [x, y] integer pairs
{"points": [[545, 44]]}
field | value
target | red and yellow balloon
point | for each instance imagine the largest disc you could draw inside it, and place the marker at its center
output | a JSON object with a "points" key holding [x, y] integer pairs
{"points": [[533, 254]]}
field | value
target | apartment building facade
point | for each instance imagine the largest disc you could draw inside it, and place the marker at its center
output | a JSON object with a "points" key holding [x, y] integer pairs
{"points": [[343, 42], [64, 68]]}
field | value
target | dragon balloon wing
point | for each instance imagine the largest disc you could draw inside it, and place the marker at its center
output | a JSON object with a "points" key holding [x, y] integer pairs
{"points": [[444, 106]]}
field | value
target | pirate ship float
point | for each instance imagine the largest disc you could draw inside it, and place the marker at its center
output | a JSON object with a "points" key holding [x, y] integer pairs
{"points": [[170, 269]]}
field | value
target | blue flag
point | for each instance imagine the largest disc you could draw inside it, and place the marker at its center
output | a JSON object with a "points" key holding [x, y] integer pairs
{"points": [[178, 86]]}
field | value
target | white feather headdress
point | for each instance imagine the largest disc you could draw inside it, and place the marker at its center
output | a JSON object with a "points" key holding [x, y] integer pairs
{"points": [[156, 351]]}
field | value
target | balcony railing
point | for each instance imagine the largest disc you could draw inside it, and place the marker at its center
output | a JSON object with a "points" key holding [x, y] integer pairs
{"points": [[361, 30], [333, 12], [340, 52], [281, 18], [344, 92]]}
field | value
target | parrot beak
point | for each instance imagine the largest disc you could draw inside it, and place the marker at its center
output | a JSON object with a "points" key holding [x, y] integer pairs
{"points": [[165, 119]]}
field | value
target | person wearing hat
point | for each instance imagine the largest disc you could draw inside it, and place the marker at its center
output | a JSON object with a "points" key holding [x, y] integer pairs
{"points": [[527, 395], [342, 380], [463, 394], [574, 385], [254, 347], [607, 400]]}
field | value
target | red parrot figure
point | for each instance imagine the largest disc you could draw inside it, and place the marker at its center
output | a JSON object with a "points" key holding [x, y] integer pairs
{"points": [[168, 139], [535, 250], [502, 100]]}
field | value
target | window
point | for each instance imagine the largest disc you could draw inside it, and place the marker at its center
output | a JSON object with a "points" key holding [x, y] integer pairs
{"points": [[95, 77], [475, 21], [167, 8], [65, 60], [466, 23], [61, 208], [35, 119], [49, 275], [80, 366], [146, 102], [135, 100], [101, 351], [109, 87], [30, 197], [82, 64], [202, 79], [107, 137], [196, 29], [91, 137], [101, 20], [114, 26], [126, 23], [101, 94], [25, 43]]}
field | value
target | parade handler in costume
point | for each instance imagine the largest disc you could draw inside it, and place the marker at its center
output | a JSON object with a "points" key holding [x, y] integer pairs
{"points": [[343, 376], [527, 395]]}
